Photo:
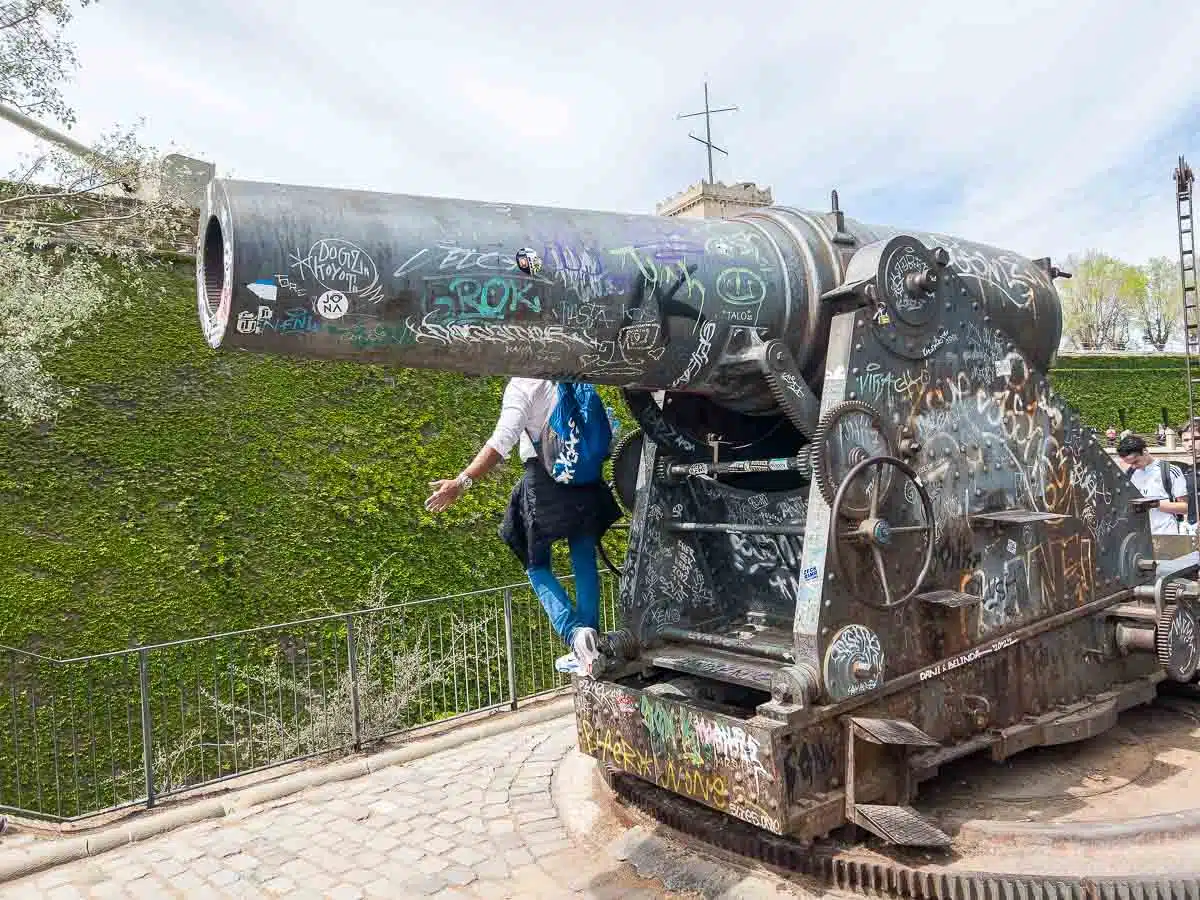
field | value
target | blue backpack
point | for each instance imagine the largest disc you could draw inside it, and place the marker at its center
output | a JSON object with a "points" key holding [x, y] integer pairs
{"points": [[578, 437]]}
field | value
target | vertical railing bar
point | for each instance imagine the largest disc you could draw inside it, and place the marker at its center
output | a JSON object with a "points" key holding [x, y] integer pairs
{"points": [[54, 745], [234, 724], [147, 736], [74, 750], [16, 739], [248, 709], [475, 645], [263, 683], [442, 650], [216, 670], [297, 728], [129, 723], [391, 643], [324, 692], [492, 646], [37, 739], [283, 727], [91, 705], [183, 747], [508, 649], [312, 724], [112, 745], [429, 688], [352, 663], [530, 658], [165, 723], [429, 656], [200, 724]]}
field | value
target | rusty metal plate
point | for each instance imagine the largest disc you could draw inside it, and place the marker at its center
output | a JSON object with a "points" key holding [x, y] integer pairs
{"points": [[893, 731], [951, 599], [899, 825], [1081, 725], [1018, 516]]}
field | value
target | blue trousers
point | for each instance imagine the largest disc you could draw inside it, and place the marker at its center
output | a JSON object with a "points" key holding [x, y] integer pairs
{"points": [[564, 618]]}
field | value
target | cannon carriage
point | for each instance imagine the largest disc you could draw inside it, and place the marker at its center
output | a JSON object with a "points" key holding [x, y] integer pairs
{"points": [[867, 537]]}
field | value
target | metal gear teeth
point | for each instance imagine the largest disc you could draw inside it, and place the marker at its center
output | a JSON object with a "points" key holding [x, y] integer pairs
{"points": [[1162, 634], [777, 391], [626, 440], [886, 878], [822, 466]]}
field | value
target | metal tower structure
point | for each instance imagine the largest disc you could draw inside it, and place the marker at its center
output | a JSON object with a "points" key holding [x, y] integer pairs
{"points": [[707, 139], [1191, 316]]}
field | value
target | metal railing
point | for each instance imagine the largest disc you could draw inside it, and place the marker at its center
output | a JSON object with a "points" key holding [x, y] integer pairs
{"points": [[100, 733]]}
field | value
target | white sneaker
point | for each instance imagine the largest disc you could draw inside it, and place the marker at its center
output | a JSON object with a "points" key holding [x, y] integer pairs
{"points": [[586, 645], [567, 664]]}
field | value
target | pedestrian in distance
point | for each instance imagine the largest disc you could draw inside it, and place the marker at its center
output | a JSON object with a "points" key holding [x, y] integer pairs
{"points": [[1156, 480], [565, 435]]}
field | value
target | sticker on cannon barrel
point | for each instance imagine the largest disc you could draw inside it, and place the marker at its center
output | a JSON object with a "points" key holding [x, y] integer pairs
{"points": [[528, 261], [264, 289], [332, 305]]}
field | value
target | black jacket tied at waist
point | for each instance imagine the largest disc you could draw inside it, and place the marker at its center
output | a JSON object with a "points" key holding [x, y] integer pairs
{"points": [[542, 511]]}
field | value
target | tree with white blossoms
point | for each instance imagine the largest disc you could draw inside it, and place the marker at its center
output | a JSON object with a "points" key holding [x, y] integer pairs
{"points": [[1099, 300], [73, 240], [1160, 306]]}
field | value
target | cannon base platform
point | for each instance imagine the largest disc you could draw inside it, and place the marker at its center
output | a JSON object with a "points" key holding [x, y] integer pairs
{"points": [[1114, 815]]}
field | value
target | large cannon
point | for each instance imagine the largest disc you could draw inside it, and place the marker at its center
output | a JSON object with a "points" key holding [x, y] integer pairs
{"points": [[867, 536]]}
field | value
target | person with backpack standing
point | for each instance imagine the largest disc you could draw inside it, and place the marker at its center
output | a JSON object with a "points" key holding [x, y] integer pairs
{"points": [[1156, 480], [565, 435]]}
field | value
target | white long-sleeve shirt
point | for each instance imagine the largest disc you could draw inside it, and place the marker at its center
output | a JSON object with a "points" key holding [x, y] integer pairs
{"points": [[524, 413]]}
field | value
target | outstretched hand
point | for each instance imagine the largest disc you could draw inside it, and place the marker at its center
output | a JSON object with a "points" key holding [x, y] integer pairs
{"points": [[445, 492]]}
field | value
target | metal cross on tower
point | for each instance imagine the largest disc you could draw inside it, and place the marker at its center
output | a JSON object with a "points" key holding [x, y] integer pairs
{"points": [[707, 139]]}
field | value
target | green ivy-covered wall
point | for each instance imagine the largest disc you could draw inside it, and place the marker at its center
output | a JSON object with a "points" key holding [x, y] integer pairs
{"points": [[1101, 386], [189, 491]]}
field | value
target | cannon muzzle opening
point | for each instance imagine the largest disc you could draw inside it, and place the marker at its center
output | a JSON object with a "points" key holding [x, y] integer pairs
{"points": [[210, 281]]}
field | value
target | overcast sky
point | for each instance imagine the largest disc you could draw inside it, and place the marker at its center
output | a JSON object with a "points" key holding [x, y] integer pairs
{"points": [[1044, 128]]}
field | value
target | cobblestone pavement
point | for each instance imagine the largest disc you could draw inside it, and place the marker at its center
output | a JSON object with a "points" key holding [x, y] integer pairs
{"points": [[479, 821]]}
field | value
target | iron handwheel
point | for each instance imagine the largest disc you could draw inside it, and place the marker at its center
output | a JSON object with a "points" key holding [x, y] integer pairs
{"points": [[876, 532]]}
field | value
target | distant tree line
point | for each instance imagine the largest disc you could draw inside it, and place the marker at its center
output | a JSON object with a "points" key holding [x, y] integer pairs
{"points": [[1110, 304]]}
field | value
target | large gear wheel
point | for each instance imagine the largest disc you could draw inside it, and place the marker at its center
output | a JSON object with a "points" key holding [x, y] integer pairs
{"points": [[1175, 642], [626, 460], [846, 435]]}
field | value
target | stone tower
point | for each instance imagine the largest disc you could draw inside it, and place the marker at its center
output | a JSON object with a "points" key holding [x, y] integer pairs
{"points": [[708, 200]]}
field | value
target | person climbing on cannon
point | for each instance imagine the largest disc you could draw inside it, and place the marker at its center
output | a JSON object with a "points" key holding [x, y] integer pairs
{"points": [[565, 435]]}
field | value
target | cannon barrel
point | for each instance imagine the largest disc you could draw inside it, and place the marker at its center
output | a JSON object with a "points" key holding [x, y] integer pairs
{"points": [[640, 301]]}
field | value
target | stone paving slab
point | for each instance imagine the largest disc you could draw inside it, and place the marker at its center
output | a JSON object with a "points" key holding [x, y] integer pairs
{"points": [[479, 821]]}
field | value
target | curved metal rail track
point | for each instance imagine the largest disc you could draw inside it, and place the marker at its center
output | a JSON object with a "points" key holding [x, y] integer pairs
{"points": [[856, 869], [850, 869]]}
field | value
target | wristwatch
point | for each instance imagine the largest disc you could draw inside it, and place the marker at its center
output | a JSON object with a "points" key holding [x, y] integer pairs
{"points": [[464, 481]]}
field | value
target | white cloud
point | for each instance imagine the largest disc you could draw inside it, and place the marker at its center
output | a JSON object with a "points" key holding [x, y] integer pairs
{"points": [[1044, 128]]}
